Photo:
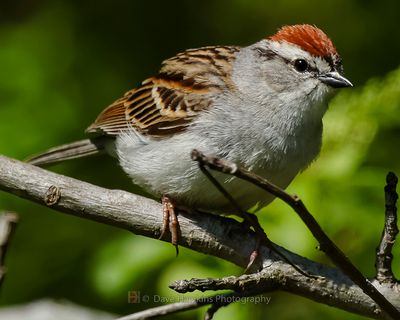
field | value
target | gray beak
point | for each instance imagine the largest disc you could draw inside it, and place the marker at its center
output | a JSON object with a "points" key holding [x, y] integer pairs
{"points": [[335, 80]]}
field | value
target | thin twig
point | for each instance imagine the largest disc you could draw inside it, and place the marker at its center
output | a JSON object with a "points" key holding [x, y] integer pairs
{"points": [[326, 244], [249, 218], [8, 222], [164, 310], [384, 256], [253, 221], [217, 300], [225, 300]]}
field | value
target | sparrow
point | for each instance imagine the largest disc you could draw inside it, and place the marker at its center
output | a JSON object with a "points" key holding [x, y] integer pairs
{"points": [[260, 106]]}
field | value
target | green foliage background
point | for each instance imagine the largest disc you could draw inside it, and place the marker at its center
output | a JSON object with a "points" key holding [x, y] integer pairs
{"points": [[62, 61]]}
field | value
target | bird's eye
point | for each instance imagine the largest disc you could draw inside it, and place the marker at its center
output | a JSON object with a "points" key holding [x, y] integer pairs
{"points": [[301, 65]]}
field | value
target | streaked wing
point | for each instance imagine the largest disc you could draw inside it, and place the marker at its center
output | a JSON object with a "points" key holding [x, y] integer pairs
{"points": [[167, 103]]}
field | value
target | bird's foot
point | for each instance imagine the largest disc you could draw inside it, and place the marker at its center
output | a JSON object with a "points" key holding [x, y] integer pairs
{"points": [[249, 221], [170, 221]]}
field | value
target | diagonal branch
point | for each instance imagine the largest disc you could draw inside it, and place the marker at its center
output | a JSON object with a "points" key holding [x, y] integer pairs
{"points": [[326, 244], [218, 236]]}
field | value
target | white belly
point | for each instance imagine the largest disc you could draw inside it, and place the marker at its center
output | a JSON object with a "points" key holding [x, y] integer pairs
{"points": [[165, 167]]}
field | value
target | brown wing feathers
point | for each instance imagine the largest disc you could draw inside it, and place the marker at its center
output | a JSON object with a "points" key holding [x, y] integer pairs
{"points": [[166, 104], [111, 121]]}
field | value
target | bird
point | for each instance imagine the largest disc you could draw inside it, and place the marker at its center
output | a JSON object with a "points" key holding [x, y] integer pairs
{"points": [[260, 106]]}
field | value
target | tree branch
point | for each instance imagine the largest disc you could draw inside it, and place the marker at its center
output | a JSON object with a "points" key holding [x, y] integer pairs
{"points": [[8, 222], [384, 254], [218, 300], [210, 234], [326, 244]]}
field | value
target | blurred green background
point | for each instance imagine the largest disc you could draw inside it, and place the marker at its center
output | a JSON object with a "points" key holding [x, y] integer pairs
{"points": [[62, 61]]}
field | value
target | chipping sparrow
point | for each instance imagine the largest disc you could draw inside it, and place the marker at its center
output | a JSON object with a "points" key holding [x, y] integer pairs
{"points": [[260, 106]]}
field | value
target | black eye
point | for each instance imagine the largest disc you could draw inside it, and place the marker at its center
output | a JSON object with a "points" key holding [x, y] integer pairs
{"points": [[301, 65]]}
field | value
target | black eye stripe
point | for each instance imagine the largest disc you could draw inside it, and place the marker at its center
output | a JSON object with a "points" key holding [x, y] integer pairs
{"points": [[269, 54], [266, 53]]}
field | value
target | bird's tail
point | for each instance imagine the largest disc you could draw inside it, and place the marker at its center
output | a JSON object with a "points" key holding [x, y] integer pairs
{"points": [[68, 151]]}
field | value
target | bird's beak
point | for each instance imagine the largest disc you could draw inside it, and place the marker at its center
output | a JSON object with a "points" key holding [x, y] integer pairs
{"points": [[335, 80]]}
